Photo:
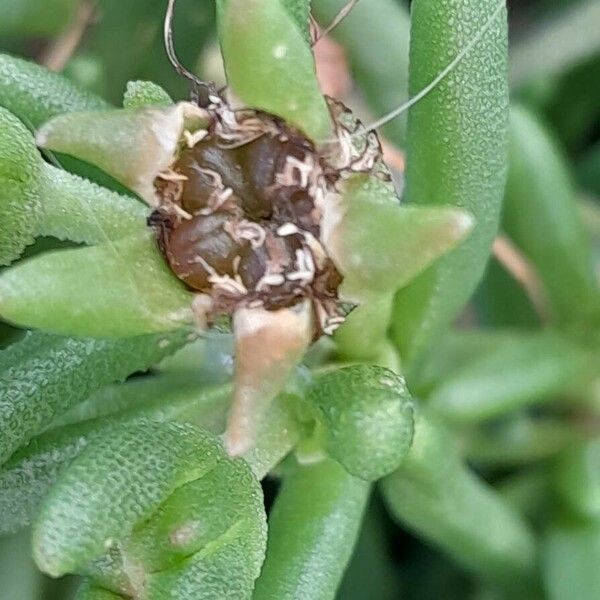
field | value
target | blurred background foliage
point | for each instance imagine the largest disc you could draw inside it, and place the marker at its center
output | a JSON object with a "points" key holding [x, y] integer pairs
{"points": [[537, 438]]}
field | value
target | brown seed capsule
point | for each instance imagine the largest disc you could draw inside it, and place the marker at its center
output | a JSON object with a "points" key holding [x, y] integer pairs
{"points": [[243, 223], [200, 247]]}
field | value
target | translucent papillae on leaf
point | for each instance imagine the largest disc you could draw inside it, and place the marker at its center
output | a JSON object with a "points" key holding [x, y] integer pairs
{"points": [[368, 418], [162, 523]]}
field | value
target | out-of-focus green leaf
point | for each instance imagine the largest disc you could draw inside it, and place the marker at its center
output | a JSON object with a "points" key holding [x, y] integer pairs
{"points": [[137, 25], [110, 290], [588, 170], [372, 572], [88, 591], [557, 44], [518, 441], [312, 529], [44, 375], [534, 368], [18, 574], [375, 36], [454, 352], [456, 154], [434, 494], [570, 562], [541, 216], [270, 65], [36, 94], [501, 301], [35, 17], [367, 414], [578, 478]]}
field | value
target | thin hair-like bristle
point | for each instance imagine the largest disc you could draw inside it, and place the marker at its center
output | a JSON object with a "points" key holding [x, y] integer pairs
{"points": [[441, 75], [197, 84]]}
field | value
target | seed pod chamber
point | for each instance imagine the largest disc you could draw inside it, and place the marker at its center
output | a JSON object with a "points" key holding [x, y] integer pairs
{"points": [[242, 210]]}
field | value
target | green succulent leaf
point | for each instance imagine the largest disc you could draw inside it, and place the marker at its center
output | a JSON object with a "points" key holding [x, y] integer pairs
{"points": [[37, 199], [367, 414], [88, 591], [532, 369], [75, 209], [218, 521], [82, 517], [19, 182], [436, 495], [44, 375], [364, 334], [191, 519], [270, 65], [133, 145], [300, 10], [400, 242], [35, 94], [313, 527], [30, 473], [110, 290], [456, 154], [145, 93]]}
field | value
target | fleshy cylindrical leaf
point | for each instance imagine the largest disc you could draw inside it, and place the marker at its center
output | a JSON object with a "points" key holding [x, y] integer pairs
{"points": [[145, 463], [110, 290], [131, 145], [75, 209], [399, 242], [36, 94], [44, 375], [435, 494], [367, 414], [457, 153], [312, 530], [38, 199], [20, 167], [270, 65]]}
